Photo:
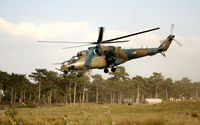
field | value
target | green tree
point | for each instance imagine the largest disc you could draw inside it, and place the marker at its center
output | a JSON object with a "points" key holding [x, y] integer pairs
{"points": [[16, 84], [47, 82], [120, 77], [4, 77], [155, 81], [167, 86], [98, 83], [139, 83]]}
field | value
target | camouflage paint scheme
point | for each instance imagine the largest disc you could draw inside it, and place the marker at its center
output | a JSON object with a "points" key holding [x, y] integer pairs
{"points": [[101, 57]]}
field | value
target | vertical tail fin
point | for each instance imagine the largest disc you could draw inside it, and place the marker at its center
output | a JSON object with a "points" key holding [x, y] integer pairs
{"points": [[166, 43]]}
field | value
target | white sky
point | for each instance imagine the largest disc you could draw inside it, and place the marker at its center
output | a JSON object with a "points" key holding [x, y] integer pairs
{"points": [[24, 22]]}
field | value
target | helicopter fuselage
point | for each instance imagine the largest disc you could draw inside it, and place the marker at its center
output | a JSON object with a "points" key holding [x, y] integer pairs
{"points": [[102, 57]]}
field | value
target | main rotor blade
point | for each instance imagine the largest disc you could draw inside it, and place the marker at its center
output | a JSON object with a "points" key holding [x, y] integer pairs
{"points": [[62, 42], [57, 63], [131, 35], [76, 46], [101, 29], [115, 42]]}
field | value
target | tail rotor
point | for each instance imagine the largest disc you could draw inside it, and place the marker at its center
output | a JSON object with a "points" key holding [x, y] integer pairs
{"points": [[166, 43], [172, 37], [171, 34]]}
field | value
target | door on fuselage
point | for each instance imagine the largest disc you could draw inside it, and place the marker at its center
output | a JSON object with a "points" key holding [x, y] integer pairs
{"points": [[96, 62]]}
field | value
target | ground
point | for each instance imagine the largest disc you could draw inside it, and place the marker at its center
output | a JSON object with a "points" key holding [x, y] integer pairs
{"points": [[171, 113]]}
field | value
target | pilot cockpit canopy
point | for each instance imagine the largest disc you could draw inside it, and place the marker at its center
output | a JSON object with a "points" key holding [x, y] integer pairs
{"points": [[73, 59]]}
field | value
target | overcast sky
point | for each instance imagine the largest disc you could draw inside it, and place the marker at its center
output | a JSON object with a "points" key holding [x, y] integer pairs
{"points": [[23, 22]]}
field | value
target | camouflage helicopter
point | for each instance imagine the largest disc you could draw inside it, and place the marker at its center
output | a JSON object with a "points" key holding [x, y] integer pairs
{"points": [[105, 57]]}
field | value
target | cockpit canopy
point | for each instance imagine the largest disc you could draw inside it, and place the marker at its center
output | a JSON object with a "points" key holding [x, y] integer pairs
{"points": [[73, 59]]}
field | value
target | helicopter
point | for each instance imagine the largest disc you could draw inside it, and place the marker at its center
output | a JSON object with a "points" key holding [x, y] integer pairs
{"points": [[108, 57]]}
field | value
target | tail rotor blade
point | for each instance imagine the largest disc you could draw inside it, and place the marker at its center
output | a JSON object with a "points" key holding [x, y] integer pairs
{"points": [[172, 29], [178, 42]]}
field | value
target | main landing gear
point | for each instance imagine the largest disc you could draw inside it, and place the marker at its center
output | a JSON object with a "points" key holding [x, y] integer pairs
{"points": [[106, 70], [112, 69]]}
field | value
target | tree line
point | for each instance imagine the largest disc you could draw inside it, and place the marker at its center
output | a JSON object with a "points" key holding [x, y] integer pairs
{"points": [[47, 87]]}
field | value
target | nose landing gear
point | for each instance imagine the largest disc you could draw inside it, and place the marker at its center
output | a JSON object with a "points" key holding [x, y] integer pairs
{"points": [[113, 69]]}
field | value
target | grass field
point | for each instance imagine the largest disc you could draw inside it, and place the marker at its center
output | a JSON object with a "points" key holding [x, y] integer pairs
{"points": [[177, 113]]}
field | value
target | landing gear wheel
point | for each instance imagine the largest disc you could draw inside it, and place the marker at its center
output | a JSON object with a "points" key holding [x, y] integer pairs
{"points": [[106, 70], [113, 69]]}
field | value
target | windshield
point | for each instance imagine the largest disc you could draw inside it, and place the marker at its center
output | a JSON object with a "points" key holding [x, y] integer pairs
{"points": [[73, 59]]}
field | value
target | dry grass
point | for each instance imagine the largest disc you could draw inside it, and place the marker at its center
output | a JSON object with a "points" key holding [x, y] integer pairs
{"points": [[181, 113]]}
